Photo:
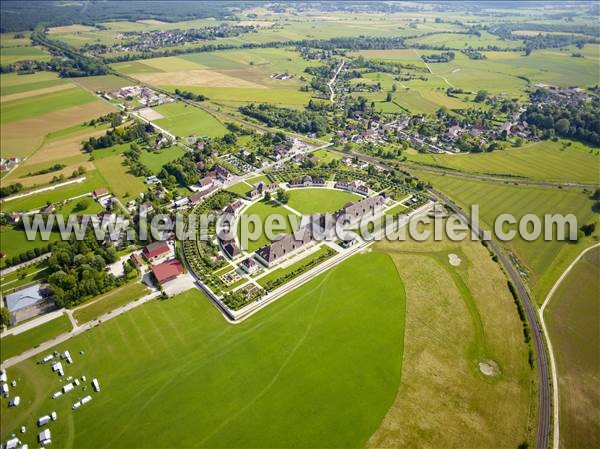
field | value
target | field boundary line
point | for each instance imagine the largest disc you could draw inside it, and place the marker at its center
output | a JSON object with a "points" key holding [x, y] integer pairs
{"points": [[556, 436]]}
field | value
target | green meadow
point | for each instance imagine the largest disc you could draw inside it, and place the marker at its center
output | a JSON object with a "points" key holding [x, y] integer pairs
{"points": [[335, 344], [184, 120], [10, 55], [263, 209], [155, 160], [109, 302], [543, 261], [14, 83], [310, 201], [546, 160], [13, 345]]}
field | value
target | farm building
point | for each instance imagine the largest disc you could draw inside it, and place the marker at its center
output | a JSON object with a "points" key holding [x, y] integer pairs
{"points": [[167, 271], [156, 252]]}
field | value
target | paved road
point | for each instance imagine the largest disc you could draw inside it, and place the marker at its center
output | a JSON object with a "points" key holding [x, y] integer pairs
{"points": [[544, 401]]}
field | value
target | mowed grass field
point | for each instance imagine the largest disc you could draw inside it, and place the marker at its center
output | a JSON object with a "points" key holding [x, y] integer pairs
{"points": [[155, 160], [263, 209], [109, 302], [573, 325], [542, 260], [184, 120], [310, 201], [547, 160], [335, 344], [455, 318], [12, 345]]}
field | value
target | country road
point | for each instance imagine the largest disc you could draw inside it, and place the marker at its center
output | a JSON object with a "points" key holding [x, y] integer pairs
{"points": [[332, 81]]}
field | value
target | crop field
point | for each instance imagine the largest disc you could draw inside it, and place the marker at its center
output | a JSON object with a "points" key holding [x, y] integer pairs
{"points": [[109, 302], [31, 107], [572, 319], [547, 160], [183, 120], [457, 316], [263, 209], [155, 160], [12, 345], [310, 201], [14, 83], [102, 82], [10, 55], [22, 137], [542, 260], [227, 76], [165, 351]]}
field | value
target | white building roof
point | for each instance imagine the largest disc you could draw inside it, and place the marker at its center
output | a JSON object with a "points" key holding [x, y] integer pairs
{"points": [[24, 298]]}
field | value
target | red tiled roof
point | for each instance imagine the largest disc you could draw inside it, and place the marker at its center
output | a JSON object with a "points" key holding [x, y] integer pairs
{"points": [[156, 249], [167, 271]]}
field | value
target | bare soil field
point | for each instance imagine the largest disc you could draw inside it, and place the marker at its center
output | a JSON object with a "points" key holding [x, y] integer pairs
{"points": [[206, 78], [76, 28], [150, 114], [62, 148], [22, 137]]}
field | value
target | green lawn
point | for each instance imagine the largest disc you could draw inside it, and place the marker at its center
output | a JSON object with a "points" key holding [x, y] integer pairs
{"points": [[184, 120], [547, 160], [12, 345], [280, 272], [155, 160], [13, 241], [109, 301], [118, 179], [326, 156], [334, 345], [263, 209], [543, 260], [34, 106], [310, 201], [35, 201], [572, 319], [241, 188]]}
